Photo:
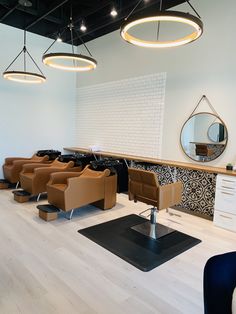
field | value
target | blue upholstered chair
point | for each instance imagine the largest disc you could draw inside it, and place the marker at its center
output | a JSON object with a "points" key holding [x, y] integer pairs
{"points": [[220, 284]]}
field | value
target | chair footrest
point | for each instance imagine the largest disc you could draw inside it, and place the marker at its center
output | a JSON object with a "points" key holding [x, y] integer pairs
{"points": [[4, 184], [48, 212], [21, 196]]}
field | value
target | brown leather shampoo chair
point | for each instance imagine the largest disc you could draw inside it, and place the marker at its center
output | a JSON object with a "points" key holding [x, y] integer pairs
{"points": [[34, 178], [68, 191], [13, 166], [144, 187]]}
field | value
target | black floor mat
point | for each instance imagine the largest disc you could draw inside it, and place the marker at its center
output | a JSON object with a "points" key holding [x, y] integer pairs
{"points": [[135, 248]]}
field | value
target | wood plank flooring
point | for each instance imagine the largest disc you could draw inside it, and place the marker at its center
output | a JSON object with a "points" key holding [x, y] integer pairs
{"points": [[48, 267]]}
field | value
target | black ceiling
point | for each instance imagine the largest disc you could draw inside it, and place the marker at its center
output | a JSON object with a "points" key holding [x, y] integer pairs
{"points": [[48, 17]]}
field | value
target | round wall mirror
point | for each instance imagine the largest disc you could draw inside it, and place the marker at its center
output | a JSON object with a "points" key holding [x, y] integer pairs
{"points": [[204, 137]]}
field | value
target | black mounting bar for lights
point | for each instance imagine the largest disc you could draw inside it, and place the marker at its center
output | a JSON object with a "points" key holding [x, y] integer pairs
{"points": [[46, 14], [148, 6]]}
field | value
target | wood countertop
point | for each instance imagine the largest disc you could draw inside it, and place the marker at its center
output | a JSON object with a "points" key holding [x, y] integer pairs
{"points": [[170, 163]]}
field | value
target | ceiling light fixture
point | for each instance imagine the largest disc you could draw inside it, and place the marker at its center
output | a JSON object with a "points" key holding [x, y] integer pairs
{"points": [[59, 39], [70, 61], [162, 16], [24, 76], [25, 3], [83, 28], [114, 13]]}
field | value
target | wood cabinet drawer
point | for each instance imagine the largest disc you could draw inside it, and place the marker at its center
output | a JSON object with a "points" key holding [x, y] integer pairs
{"points": [[225, 220]]}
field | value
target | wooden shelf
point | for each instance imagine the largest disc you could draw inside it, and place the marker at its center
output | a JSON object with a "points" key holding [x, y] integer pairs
{"points": [[170, 163]]}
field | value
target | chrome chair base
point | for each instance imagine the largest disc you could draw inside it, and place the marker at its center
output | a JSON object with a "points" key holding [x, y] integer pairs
{"points": [[153, 231]]}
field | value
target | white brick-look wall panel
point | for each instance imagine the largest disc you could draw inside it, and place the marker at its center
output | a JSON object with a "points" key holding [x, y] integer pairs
{"points": [[123, 116]]}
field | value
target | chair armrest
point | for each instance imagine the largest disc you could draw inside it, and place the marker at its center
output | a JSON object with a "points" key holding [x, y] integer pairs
{"points": [[88, 173], [23, 162], [69, 173], [75, 169], [42, 175], [18, 165], [44, 170], [29, 168], [61, 177], [170, 194], [9, 160]]}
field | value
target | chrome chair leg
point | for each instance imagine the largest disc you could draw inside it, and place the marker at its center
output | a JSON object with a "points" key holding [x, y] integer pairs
{"points": [[38, 197], [71, 213], [153, 217], [17, 184]]}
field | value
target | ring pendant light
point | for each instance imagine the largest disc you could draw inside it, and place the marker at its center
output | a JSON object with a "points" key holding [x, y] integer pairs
{"points": [[24, 76], [162, 16], [79, 62]]}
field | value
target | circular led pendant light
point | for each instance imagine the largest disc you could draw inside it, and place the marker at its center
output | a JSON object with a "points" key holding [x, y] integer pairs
{"points": [[70, 61], [173, 17], [79, 63], [24, 76]]}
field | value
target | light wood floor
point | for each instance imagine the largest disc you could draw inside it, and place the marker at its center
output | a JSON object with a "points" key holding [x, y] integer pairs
{"points": [[48, 267]]}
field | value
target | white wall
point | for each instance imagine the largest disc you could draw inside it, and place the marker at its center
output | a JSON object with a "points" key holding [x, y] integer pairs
{"points": [[206, 66], [33, 117]]}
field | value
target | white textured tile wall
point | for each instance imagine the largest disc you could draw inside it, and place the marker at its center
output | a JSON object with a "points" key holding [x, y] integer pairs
{"points": [[123, 116]]}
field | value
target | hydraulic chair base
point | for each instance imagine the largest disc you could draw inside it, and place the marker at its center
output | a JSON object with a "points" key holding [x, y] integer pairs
{"points": [[151, 229]]}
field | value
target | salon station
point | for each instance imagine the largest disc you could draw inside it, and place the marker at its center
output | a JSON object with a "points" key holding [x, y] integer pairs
{"points": [[118, 177]]}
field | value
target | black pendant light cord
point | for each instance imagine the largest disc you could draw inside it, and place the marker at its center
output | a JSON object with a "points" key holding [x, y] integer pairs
{"points": [[83, 43], [160, 10], [159, 23], [72, 40], [34, 62], [14, 59], [24, 49], [133, 9], [71, 27], [54, 41], [193, 8]]}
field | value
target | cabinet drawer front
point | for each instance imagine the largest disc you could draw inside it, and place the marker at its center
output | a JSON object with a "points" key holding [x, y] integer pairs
{"points": [[226, 183], [225, 201], [225, 220]]}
